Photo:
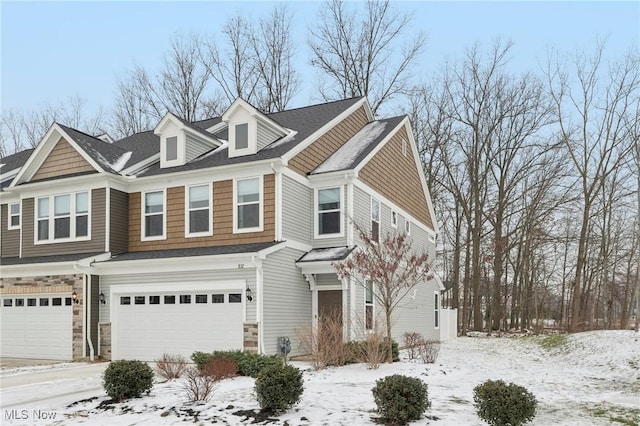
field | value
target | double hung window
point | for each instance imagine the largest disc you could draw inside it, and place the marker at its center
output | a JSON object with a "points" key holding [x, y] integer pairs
{"points": [[248, 205], [199, 210], [329, 209]]}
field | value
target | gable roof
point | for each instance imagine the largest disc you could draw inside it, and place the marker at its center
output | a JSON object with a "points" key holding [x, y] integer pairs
{"points": [[356, 149], [12, 163], [111, 158]]}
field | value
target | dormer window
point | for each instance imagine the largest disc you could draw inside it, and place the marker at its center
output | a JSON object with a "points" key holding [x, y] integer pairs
{"points": [[242, 136], [171, 148]]}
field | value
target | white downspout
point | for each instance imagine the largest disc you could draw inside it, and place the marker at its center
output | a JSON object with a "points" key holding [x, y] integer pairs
{"points": [[86, 331], [257, 261]]}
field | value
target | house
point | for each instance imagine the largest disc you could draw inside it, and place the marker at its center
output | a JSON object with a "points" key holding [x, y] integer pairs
{"points": [[212, 235]]}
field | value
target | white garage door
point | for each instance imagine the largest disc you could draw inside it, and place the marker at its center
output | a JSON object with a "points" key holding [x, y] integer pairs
{"points": [[148, 325], [36, 326]]}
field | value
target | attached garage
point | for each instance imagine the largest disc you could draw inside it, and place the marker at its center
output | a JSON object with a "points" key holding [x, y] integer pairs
{"points": [[148, 321], [36, 326]]}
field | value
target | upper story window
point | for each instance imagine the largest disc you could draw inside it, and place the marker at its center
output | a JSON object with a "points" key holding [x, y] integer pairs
{"points": [[199, 210], [171, 153], [329, 211], [242, 136], [394, 219], [14, 216], [407, 226], [62, 217], [153, 211], [375, 220], [247, 205], [404, 147], [436, 310]]}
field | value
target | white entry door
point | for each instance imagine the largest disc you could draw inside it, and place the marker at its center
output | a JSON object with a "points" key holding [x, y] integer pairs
{"points": [[149, 324], [36, 326]]}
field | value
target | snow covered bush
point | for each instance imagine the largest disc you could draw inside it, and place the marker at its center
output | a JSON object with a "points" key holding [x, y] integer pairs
{"points": [[278, 387], [171, 366], [401, 399], [125, 379], [502, 404]]}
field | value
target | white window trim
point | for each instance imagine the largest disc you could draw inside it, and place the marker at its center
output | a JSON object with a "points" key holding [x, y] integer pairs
{"points": [[180, 150], [260, 226], [9, 216], [394, 219], [252, 135], [373, 199], [143, 229], [187, 216], [316, 222], [436, 295], [72, 219], [407, 226], [404, 147], [373, 308]]}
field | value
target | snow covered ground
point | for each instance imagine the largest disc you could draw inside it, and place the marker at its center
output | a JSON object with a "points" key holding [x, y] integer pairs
{"points": [[589, 379]]}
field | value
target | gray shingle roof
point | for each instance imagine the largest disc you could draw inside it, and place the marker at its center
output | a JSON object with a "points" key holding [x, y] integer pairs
{"points": [[327, 254], [13, 162], [142, 145], [201, 251], [356, 149], [6, 261], [305, 121]]}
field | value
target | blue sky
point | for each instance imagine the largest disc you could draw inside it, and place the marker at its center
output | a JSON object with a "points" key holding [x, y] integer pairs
{"points": [[51, 50]]}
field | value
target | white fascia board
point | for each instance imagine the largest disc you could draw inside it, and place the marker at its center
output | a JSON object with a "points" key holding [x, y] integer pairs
{"points": [[7, 197], [163, 122], [71, 184], [437, 279], [414, 222], [177, 264], [269, 250], [423, 180], [297, 245], [333, 178], [135, 168], [254, 112], [217, 127], [210, 174], [320, 267], [296, 176], [52, 268], [324, 129], [9, 175]]}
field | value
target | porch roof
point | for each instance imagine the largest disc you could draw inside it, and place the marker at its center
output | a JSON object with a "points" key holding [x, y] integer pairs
{"points": [[327, 254]]}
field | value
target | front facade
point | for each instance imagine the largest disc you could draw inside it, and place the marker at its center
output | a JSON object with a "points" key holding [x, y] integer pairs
{"points": [[218, 234]]}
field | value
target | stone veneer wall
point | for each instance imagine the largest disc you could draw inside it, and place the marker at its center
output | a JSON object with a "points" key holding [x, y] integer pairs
{"points": [[65, 284], [250, 337], [105, 341]]}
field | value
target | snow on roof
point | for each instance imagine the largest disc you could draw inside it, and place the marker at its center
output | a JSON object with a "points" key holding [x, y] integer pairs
{"points": [[326, 254], [119, 164], [343, 158]]}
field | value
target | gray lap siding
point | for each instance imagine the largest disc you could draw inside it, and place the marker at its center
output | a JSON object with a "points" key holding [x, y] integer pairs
{"points": [[287, 300]]}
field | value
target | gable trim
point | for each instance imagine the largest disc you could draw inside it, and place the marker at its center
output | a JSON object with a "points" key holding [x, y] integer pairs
{"points": [[42, 152]]}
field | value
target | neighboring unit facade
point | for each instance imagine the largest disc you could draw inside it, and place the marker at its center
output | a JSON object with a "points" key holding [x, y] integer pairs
{"points": [[218, 234]]}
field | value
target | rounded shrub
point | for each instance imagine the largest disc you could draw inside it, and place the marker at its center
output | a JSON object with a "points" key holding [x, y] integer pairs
{"points": [[127, 379], [278, 387], [401, 399], [501, 404]]}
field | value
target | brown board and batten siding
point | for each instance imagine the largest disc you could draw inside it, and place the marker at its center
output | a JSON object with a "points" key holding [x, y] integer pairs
{"points": [[119, 222], [10, 238], [222, 220], [63, 160], [95, 244], [316, 153], [396, 177]]}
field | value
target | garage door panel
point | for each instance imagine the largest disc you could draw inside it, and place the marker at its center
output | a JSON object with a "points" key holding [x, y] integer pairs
{"points": [[146, 331], [37, 332]]}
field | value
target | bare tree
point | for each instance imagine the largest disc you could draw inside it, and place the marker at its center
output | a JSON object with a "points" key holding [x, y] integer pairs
{"points": [[363, 57], [594, 107], [20, 130], [391, 266], [181, 87], [254, 61]]}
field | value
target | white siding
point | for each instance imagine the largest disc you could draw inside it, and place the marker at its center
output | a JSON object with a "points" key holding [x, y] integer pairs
{"points": [[416, 314], [297, 211], [287, 300], [195, 147], [177, 278]]}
